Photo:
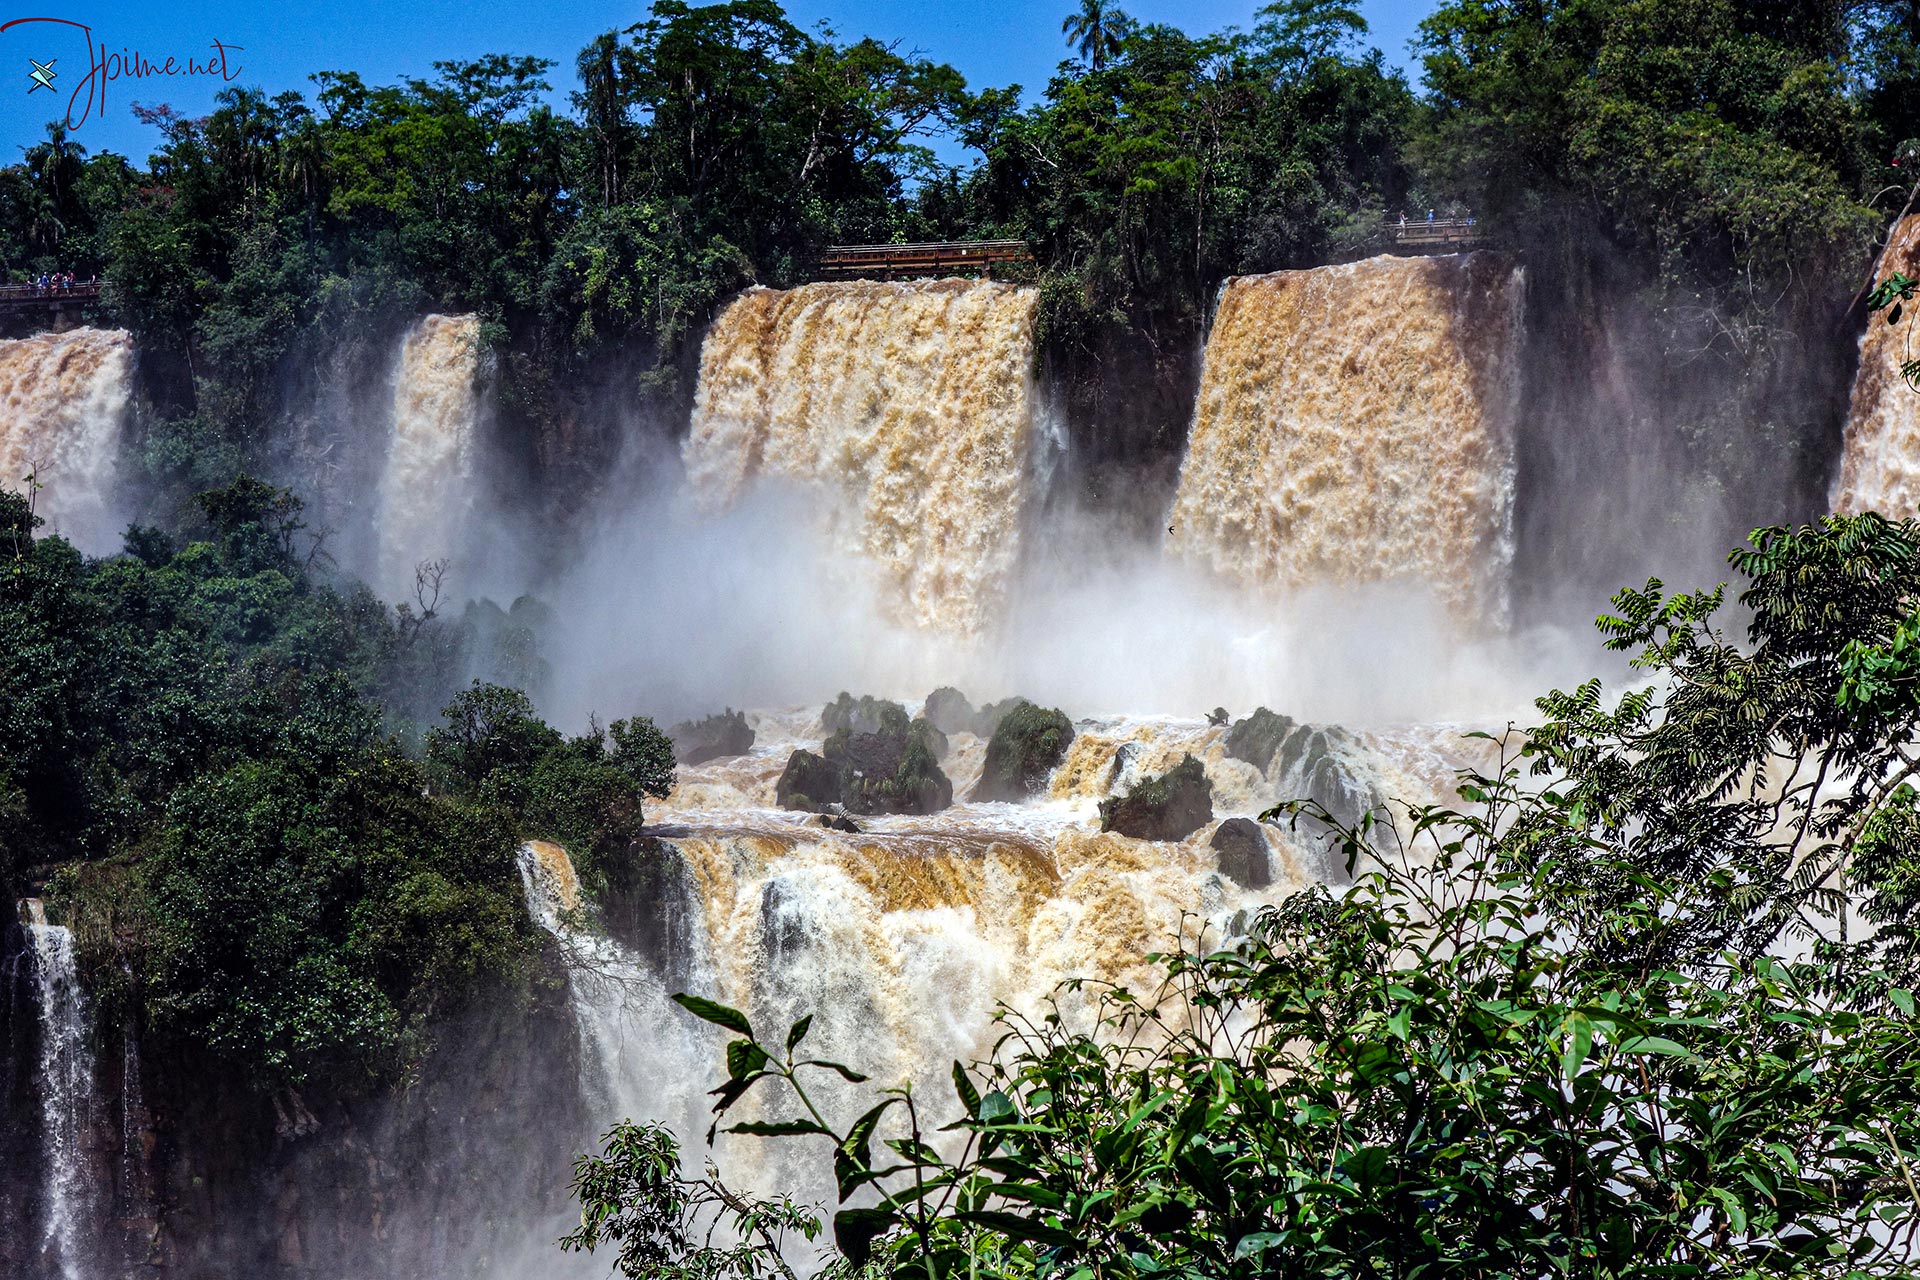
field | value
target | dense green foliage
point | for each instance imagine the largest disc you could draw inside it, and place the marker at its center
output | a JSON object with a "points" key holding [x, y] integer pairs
{"points": [[1551, 1031], [201, 742]]}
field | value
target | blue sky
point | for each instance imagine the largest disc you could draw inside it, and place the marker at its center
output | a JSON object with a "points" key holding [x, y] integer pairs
{"points": [[992, 42]]}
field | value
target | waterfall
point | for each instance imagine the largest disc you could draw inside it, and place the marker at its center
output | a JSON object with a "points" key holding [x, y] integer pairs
{"points": [[1880, 461], [68, 1099], [641, 1058], [428, 491], [1355, 424], [63, 408], [914, 401]]}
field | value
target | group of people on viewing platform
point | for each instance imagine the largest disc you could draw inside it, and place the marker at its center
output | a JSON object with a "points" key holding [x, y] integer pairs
{"points": [[48, 282]]}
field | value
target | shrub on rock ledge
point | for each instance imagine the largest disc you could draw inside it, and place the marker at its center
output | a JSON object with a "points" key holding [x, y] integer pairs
{"points": [[697, 741]]}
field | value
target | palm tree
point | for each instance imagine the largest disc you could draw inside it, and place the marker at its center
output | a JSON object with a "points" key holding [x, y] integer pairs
{"points": [[1095, 31]]}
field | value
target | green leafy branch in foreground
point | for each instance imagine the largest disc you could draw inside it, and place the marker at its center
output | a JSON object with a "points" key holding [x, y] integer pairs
{"points": [[1414, 1079], [635, 1197], [1892, 296]]}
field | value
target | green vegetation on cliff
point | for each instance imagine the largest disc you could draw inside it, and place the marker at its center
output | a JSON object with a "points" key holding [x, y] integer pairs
{"points": [[199, 746]]}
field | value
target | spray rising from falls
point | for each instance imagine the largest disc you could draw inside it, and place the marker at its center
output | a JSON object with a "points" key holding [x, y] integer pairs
{"points": [[1355, 424], [63, 408], [915, 400], [1880, 464], [428, 491], [67, 1099]]}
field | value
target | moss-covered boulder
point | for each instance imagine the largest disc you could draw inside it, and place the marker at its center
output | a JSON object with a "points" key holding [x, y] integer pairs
{"points": [[809, 783], [697, 741], [867, 773], [1026, 747], [1170, 807], [865, 714], [1256, 738]]}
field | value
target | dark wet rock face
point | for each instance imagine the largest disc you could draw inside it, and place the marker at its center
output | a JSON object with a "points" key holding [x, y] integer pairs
{"points": [[809, 783], [1307, 762], [866, 773], [1256, 738], [1246, 856], [949, 711], [650, 904], [727, 734], [1026, 747], [1170, 807]]}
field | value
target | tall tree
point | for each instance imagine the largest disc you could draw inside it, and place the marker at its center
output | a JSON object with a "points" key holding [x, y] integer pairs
{"points": [[1095, 32]]}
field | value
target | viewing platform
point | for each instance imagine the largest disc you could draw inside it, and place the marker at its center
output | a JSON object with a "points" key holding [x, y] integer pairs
{"points": [[26, 309], [14, 297], [1442, 235], [888, 261]]}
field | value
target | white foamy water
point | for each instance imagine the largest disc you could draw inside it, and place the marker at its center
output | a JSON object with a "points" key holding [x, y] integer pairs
{"points": [[68, 1100], [901, 940]]}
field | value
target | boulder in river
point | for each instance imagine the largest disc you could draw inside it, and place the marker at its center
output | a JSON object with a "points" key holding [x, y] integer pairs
{"points": [[1245, 854], [949, 711], [1306, 762], [865, 714], [1170, 807], [727, 734], [864, 773], [1026, 747]]}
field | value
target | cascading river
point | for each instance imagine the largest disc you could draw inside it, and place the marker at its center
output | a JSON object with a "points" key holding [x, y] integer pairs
{"points": [[428, 491], [63, 410], [1355, 424], [1880, 460], [902, 938], [915, 401]]}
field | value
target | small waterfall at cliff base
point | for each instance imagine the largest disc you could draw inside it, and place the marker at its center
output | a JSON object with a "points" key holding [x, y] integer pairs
{"points": [[429, 489], [1355, 424], [63, 410], [913, 405], [1880, 462], [68, 1099], [641, 1057]]}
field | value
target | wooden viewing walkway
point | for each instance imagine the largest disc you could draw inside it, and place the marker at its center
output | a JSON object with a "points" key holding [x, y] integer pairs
{"points": [[1440, 233], [889, 260], [22, 297]]}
